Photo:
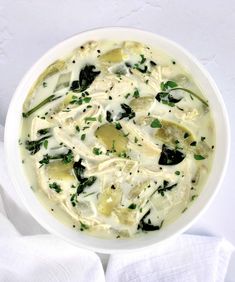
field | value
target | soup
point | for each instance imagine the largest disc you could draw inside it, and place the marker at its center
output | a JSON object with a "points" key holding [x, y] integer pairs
{"points": [[117, 139]]}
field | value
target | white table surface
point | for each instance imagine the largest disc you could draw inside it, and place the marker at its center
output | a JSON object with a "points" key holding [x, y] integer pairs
{"points": [[206, 28]]}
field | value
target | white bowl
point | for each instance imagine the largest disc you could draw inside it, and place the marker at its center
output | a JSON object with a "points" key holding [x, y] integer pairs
{"points": [[22, 185]]}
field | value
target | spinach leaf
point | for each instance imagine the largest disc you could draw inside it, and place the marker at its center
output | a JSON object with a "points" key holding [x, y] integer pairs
{"points": [[34, 146], [162, 189], [86, 77], [109, 116], [43, 131], [128, 112], [84, 183], [147, 226], [167, 98], [144, 70], [79, 170], [170, 156], [56, 187]]}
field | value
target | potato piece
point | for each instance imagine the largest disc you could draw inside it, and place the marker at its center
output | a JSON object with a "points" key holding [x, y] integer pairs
{"points": [[171, 132], [109, 199], [60, 170], [112, 138], [126, 216], [141, 103], [113, 56]]}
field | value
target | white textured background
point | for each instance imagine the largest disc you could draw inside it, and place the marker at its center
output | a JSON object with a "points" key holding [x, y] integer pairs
{"points": [[206, 28]]}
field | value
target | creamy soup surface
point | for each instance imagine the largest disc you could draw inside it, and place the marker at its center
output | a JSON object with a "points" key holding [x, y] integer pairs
{"points": [[117, 139]]}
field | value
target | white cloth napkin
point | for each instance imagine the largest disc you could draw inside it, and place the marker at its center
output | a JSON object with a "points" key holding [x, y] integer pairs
{"points": [[28, 253]]}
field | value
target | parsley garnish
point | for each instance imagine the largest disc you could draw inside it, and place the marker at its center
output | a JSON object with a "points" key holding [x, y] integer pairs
{"points": [[128, 112], [156, 123], [56, 187], [166, 187], [132, 206], [86, 77], [97, 151], [45, 144], [83, 226], [143, 59], [83, 136], [90, 119], [136, 93], [118, 125], [199, 157]]}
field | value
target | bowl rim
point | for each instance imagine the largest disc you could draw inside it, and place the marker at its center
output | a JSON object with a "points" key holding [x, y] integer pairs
{"points": [[9, 150]]}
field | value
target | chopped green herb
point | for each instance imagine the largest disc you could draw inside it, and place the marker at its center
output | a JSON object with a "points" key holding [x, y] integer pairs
{"points": [[100, 118], [87, 99], [56, 187], [152, 63], [83, 136], [136, 93], [34, 146], [186, 135], [177, 172], [127, 95], [90, 119], [83, 226], [132, 206], [136, 139], [156, 123], [118, 125], [77, 128], [79, 100], [45, 144], [67, 158], [109, 116], [43, 131], [169, 84], [184, 210], [199, 157], [44, 84], [194, 197], [143, 59], [122, 155], [194, 143], [203, 138], [162, 189], [97, 151]]}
